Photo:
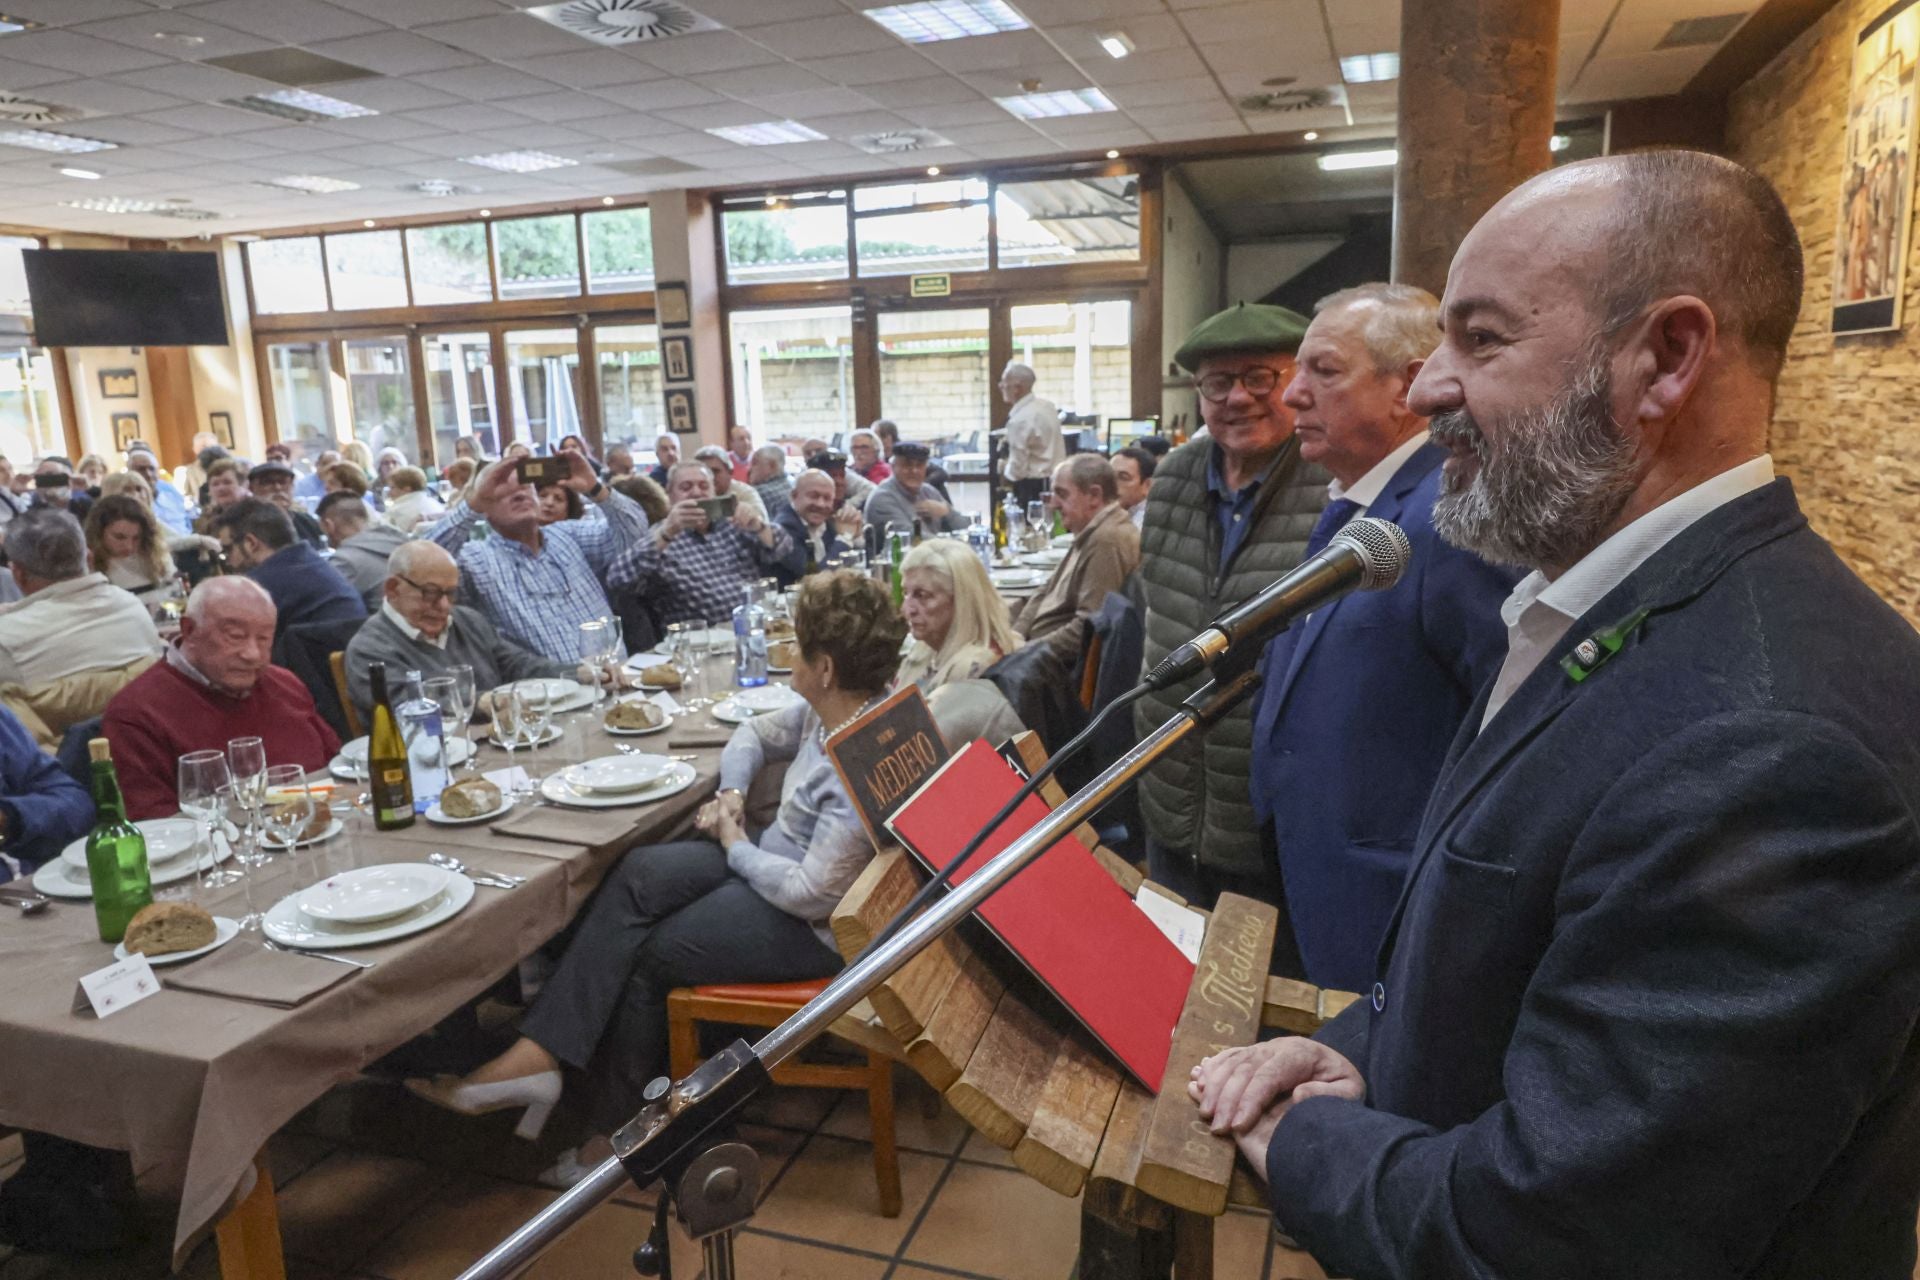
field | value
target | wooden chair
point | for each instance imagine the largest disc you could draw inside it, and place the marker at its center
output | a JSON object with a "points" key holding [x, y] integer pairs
{"points": [[337, 660], [768, 1005]]}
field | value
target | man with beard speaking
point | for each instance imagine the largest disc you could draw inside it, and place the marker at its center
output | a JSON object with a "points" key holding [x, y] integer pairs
{"points": [[1647, 1004]]}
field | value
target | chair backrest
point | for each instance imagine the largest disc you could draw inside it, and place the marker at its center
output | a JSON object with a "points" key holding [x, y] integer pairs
{"points": [[337, 661], [305, 649]]}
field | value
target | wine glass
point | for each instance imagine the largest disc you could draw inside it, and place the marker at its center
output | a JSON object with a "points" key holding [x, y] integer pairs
{"points": [[467, 695], [443, 692], [289, 806], [597, 643], [683, 648], [508, 709], [202, 774], [247, 770], [536, 716], [238, 802]]}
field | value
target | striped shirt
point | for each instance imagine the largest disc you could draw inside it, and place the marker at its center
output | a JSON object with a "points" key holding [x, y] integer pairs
{"points": [[697, 577]]}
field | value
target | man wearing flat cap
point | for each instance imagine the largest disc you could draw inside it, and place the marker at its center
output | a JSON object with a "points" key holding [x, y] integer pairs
{"points": [[273, 481], [1228, 514]]}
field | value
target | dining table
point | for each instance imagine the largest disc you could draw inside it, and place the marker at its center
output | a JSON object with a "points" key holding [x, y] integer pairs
{"points": [[193, 1080]]}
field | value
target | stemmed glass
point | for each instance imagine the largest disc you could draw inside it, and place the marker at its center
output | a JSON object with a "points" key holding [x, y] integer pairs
{"points": [[466, 697], [238, 800], [443, 692], [684, 644], [247, 769], [535, 716], [202, 774], [598, 640], [289, 807], [508, 710]]}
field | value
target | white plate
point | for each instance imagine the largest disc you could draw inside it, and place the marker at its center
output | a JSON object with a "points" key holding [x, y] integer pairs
{"points": [[332, 829], [765, 697], [437, 815], [367, 894], [56, 879], [1043, 559], [739, 707], [616, 774], [286, 926], [553, 734], [666, 723], [678, 779], [224, 931], [719, 640], [1061, 541], [648, 658], [354, 753], [167, 839], [1015, 578]]}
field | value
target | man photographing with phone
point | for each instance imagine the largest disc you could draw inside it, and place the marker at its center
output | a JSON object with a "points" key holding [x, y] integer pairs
{"points": [[693, 565]]}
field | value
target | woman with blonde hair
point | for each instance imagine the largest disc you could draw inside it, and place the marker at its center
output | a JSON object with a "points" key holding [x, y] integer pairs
{"points": [[126, 544], [92, 469], [408, 502], [960, 626]]}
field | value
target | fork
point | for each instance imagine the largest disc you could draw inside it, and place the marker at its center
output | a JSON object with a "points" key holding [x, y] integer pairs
{"points": [[271, 945], [492, 879]]}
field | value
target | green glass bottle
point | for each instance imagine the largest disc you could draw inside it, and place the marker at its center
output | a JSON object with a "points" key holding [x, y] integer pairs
{"points": [[899, 551], [116, 852]]}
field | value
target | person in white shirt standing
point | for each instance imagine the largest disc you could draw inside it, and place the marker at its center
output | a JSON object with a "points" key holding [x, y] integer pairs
{"points": [[1034, 443]]}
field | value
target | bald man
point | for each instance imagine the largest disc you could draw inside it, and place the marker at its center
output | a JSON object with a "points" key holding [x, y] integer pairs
{"points": [[1034, 443], [214, 684], [1646, 1005]]}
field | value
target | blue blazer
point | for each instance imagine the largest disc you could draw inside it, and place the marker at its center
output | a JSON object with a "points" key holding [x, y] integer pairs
{"points": [[1647, 1005], [1356, 708], [789, 570], [306, 588]]}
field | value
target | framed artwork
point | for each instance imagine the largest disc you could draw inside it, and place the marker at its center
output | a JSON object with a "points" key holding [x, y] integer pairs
{"points": [[670, 307], [1876, 180], [119, 384], [676, 357], [221, 424], [680, 410], [126, 429]]}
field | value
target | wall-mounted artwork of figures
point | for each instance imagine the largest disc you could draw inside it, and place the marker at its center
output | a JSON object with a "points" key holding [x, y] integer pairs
{"points": [[1876, 185]]}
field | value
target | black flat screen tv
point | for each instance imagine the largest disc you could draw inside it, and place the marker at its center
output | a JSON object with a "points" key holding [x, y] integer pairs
{"points": [[125, 298]]}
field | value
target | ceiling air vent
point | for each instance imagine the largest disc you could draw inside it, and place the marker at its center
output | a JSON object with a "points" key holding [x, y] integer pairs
{"points": [[21, 110], [440, 187], [894, 141], [619, 22], [1282, 101], [1692, 32]]}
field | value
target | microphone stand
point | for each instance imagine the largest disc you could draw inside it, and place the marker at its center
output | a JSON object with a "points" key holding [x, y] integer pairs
{"points": [[680, 1136]]}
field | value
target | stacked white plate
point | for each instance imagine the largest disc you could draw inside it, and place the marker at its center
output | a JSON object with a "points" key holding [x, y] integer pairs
{"points": [[744, 704], [562, 694], [612, 781], [351, 763], [1061, 541], [1013, 579], [1043, 559], [169, 841], [368, 905]]}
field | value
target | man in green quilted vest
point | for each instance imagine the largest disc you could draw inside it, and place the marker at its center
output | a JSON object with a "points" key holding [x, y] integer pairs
{"points": [[1229, 513]]}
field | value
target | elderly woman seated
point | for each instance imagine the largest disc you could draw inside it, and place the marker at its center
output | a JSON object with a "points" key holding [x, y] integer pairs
{"points": [[960, 625], [733, 907], [409, 504]]}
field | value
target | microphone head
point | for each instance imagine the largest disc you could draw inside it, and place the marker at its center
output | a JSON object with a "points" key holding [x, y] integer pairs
{"points": [[1382, 547]]}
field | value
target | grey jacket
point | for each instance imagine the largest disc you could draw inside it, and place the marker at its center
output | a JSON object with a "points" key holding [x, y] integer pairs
{"points": [[471, 640], [1196, 798], [362, 560], [891, 504]]}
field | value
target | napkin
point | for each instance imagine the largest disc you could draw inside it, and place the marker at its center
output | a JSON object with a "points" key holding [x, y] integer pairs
{"points": [[701, 731], [587, 828], [243, 971]]}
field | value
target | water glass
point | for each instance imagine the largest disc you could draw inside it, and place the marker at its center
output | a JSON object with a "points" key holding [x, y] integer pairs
{"points": [[685, 646], [289, 807], [468, 696], [598, 640], [444, 692], [238, 805], [535, 716], [508, 710], [202, 774]]}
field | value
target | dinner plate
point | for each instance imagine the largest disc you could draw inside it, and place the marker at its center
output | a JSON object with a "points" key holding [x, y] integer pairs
{"points": [[648, 658], [553, 734], [678, 779], [286, 926], [332, 829], [616, 774], [1043, 559], [1061, 541], [744, 704], [1013, 578], [57, 879], [224, 931], [437, 815], [718, 640], [167, 839], [666, 723], [367, 894], [459, 750]]}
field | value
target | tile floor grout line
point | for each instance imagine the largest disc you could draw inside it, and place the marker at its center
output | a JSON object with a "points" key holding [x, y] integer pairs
{"points": [[926, 1207], [789, 1238]]}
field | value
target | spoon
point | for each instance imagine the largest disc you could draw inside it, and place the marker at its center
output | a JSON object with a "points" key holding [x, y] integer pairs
{"points": [[496, 879], [271, 945]]}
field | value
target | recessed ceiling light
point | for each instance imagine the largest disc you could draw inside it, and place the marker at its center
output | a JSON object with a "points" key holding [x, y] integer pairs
{"points": [[486, 213], [772, 201], [180, 38], [1341, 160], [312, 184], [606, 199], [1559, 142], [1113, 155], [43, 140], [302, 105], [1117, 44], [366, 222], [159, 208], [519, 161], [933, 171], [1060, 102], [770, 133], [1367, 68], [1311, 135], [926, 21], [72, 172], [439, 188]]}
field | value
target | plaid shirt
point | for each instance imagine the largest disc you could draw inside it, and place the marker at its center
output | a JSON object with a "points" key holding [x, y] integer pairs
{"points": [[540, 598], [698, 576]]}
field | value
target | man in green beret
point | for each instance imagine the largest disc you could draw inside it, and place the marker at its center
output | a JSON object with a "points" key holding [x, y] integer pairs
{"points": [[1229, 513]]}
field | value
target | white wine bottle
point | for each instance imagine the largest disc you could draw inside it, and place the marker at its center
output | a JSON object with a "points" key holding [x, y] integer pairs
{"points": [[387, 775]]}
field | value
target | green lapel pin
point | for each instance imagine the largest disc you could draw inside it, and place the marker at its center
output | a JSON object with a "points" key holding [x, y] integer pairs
{"points": [[1590, 654]]}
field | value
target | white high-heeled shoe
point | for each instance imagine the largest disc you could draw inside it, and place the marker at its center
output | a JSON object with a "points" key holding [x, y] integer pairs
{"points": [[537, 1093]]}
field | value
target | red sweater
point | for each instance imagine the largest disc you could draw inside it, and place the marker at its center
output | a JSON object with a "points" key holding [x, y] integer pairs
{"points": [[163, 715]]}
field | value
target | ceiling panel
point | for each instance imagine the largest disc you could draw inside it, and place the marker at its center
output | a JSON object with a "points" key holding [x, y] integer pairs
{"points": [[588, 68], [286, 21], [395, 53]]}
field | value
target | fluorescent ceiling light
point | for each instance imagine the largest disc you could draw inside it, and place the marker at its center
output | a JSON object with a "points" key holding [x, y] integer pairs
{"points": [[301, 104], [42, 140], [926, 21], [312, 185], [10, 25], [1340, 160], [1117, 44], [1063, 102], [73, 172], [114, 204], [1366, 68], [519, 161], [1559, 142], [768, 134]]}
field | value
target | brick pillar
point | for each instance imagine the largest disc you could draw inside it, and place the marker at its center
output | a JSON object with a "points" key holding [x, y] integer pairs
{"points": [[1476, 118]]}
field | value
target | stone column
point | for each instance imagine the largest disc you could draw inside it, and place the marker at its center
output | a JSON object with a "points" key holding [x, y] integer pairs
{"points": [[1476, 118], [686, 230]]}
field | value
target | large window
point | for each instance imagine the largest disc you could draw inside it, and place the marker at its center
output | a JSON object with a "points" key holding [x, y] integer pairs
{"points": [[1079, 219], [29, 406], [793, 372], [287, 275], [299, 375], [798, 237], [619, 250], [539, 257], [921, 226], [934, 380], [380, 385], [367, 270], [544, 367], [449, 264], [1081, 354], [630, 403], [460, 392]]}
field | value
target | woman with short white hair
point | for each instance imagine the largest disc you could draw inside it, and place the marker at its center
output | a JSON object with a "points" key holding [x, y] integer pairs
{"points": [[959, 624]]}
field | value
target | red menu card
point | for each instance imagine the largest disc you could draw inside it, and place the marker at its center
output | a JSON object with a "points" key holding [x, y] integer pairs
{"points": [[1063, 915]]}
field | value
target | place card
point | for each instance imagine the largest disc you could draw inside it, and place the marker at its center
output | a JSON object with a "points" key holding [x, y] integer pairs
{"points": [[1183, 926], [109, 990], [509, 780], [665, 701]]}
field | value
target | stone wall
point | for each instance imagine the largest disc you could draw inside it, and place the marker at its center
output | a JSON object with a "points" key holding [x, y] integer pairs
{"points": [[1847, 425]]}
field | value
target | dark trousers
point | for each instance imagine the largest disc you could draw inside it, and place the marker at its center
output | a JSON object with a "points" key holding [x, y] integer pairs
{"points": [[668, 916], [1202, 885], [1032, 487]]}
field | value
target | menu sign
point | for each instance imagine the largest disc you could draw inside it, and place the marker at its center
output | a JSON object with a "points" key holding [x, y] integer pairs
{"points": [[885, 755]]}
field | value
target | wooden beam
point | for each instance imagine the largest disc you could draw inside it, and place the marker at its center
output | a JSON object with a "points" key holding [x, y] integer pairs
{"points": [[1774, 26], [1059, 1146], [69, 410], [422, 415], [613, 307], [1000, 1088], [941, 1052]]}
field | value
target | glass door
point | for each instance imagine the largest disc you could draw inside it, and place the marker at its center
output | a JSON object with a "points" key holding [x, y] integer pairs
{"points": [[29, 406], [380, 387], [1081, 354], [631, 412], [793, 373], [460, 392], [299, 373], [543, 368], [934, 381]]}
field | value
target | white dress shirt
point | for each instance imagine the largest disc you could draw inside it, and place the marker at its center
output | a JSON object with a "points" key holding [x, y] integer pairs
{"points": [[1139, 514], [1034, 443], [1539, 612], [412, 632], [81, 624], [1368, 487]]}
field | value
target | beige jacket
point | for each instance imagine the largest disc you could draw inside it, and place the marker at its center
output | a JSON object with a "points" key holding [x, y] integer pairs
{"points": [[1101, 557]]}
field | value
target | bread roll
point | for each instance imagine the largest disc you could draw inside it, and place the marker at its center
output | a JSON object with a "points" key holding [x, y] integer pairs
{"points": [[161, 928], [781, 653], [470, 799], [635, 715], [661, 675], [779, 628]]}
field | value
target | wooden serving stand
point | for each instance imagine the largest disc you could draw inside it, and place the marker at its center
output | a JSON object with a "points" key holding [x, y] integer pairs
{"points": [[1026, 1075]]}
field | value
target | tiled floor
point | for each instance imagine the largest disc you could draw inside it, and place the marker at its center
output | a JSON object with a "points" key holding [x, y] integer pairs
{"points": [[374, 1186]]}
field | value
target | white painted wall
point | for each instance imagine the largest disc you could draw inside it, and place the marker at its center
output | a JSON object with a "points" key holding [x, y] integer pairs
{"points": [[1256, 269], [1190, 292]]}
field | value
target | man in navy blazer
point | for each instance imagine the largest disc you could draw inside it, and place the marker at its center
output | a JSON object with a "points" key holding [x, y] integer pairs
{"points": [[1358, 703], [257, 538], [1647, 1004], [812, 523]]}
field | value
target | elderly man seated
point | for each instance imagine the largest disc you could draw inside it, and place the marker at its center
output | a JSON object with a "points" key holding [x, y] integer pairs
{"points": [[257, 539], [1106, 548], [907, 500], [768, 476], [850, 488], [360, 545], [537, 583], [818, 532], [273, 481], [666, 452], [75, 639], [691, 569], [169, 508], [721, 465], [421, 626], [216, 683]]}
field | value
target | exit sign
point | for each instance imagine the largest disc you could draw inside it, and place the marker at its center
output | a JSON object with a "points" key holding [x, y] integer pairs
{"points": [[932, 286]]}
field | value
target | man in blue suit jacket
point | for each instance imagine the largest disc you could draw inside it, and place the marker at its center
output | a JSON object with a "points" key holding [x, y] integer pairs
{"points": [[1358, 702], [257, 538], [809, 520], [1647, 1004]]}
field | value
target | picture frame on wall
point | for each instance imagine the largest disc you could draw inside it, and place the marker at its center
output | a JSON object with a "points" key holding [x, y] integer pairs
{"points": [[680, 418], [670, 306], [1876, 181], [221, 424], [126, 429], [676, 357], [119, 384]]}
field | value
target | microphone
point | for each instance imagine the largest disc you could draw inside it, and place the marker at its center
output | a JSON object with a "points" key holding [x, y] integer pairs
{"points": [[1365, 555]]}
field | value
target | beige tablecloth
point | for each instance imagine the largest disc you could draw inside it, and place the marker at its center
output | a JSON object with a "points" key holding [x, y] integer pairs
{"points": [[192, 1084]]}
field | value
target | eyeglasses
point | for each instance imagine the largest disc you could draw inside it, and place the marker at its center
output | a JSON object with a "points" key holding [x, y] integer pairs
{"points": [[432, 595], [1259, 381]]}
